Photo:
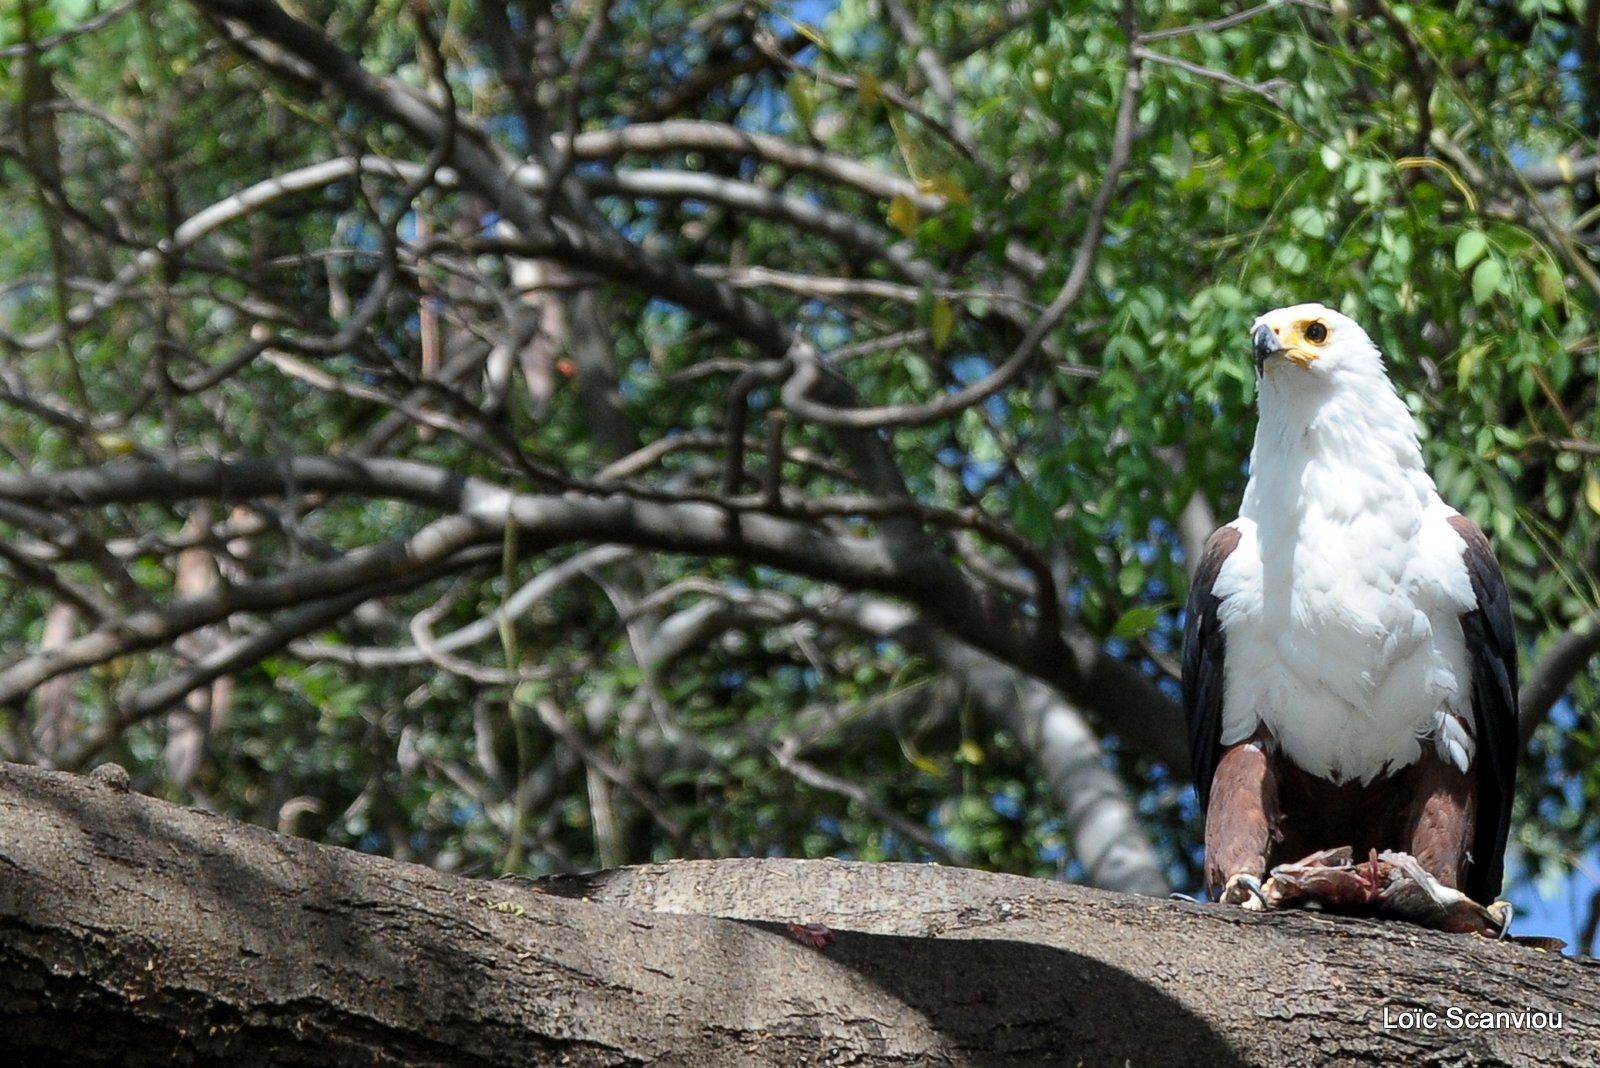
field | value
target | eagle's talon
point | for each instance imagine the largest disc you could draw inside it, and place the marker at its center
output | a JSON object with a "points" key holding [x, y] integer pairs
{"points": [[1245, 890], [1505, 912], [1176, 896]]}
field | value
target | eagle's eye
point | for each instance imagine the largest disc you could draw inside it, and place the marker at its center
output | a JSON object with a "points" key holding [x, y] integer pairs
{"points": [[1316, 333]]}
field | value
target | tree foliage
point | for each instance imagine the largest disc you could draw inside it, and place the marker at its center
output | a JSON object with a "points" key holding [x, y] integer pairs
{"points": [[527, 436]]}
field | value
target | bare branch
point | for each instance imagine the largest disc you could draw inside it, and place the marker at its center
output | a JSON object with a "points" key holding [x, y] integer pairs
{"points": [[795, 394], [1268, 91], [1096, 805], [699, 136], [484, 170], [786, 753], [1214, 25], [371, 568], [900, 561], [1558, 664]]}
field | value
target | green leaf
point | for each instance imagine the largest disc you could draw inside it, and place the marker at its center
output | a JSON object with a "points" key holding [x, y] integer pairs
{"points": [[1292, 258], [1470, 247], [1124, 347], [903, 214], [1310, 220], [1552, 286], [1130, 580], [941, 323], [1467, 365], [1031, 513], [802, 99], [1136, 621], [1486, 279], [1399, 246]]}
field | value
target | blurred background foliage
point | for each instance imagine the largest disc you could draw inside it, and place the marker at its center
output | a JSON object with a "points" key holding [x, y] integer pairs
{"points": [[932, 173]]}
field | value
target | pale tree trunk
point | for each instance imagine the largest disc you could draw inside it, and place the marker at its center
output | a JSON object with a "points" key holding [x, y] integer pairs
{"points": [[136, 932]]}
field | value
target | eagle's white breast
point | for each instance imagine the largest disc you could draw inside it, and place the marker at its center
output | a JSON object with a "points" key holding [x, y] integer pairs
{"points": [[1341, 602]]}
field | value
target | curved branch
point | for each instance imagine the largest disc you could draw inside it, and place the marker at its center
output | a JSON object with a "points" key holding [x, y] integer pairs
{"points": [[795, 392], [371, 568], [901, 560], [87, 26], [484, 629], [699, 136], [485, 170], [1561, 661], [847, 231], [1566, 170]]}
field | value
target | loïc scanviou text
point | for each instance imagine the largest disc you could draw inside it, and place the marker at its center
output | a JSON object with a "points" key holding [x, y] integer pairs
{"points": [[1455, 1018]]}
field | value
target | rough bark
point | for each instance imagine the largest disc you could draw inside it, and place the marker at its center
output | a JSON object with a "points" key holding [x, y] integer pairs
{"points": [[136, 932]]}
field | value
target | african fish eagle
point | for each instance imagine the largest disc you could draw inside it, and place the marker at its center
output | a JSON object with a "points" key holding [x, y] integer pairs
{"points": [[1349, 667]]}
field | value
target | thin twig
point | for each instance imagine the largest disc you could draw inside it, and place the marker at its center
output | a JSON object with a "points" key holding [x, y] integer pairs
{"points": [[1214, 25], [787, 756], [795, 392]]}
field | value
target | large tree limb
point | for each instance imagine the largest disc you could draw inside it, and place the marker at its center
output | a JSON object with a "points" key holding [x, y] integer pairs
{"points": [[478, 512], [964, 606], [1553, 672], [475, 514], [135, 931]]}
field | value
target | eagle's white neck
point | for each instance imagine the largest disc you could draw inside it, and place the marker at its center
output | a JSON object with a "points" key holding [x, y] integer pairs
{"points": [[1343, 446]]}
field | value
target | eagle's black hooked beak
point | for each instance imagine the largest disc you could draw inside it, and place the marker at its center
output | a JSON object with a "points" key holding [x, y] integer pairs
{"points": [[1266, 345]]}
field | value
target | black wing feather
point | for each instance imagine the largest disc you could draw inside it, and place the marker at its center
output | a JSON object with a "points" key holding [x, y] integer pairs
{"points": [[1204, 656], [1492, 653]]}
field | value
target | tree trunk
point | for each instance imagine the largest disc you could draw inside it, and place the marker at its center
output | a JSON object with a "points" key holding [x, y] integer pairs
{"points": [[136, 932]]}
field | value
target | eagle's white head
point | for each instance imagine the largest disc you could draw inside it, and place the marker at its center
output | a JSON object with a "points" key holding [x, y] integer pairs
{"points": [[1311, 339], [1327, 405]]}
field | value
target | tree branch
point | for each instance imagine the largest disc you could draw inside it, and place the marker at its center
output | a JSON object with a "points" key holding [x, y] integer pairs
{"points": [[795, 396], [900, 561], [188, 938], [484, 170], [1558, 664], [1096, 806]]}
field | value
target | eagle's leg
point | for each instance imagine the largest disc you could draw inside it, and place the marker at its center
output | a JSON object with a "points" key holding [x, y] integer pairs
{"points": [[1241, 823], [1441, 819]]}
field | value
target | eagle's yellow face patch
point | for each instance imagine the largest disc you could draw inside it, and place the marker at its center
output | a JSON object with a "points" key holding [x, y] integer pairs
{"points": [[1303, 338]]}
